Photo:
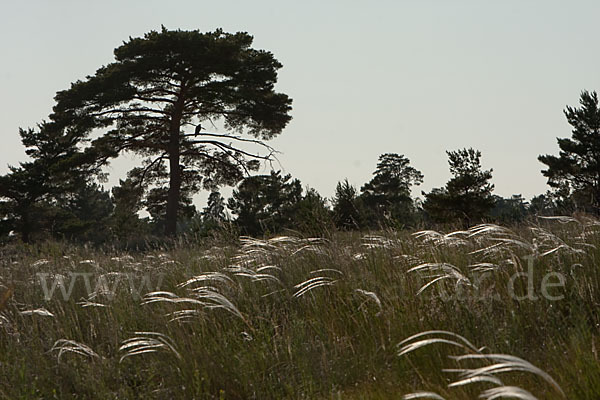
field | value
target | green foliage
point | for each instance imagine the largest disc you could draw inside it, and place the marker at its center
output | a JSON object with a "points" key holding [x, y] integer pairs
{"points": [[312, 215], [21, 192], [36, 212], [166, 82], [387, 196], [509, 210], [553, 202], [156, 205], [214, 212], [575, 173], [467, 196], [265, 203], [213, 220], [55, 193], [83, 215], [125, 222], [348, 210]]}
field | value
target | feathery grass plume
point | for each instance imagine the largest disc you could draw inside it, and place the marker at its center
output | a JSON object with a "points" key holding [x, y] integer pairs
{"points": [[503, 363], [428, 235], [254, 251], [207, 277], [483, 267], [255, 276], [40, 262], [86, 303], [422, 395], [38, 311], [285, 240], [589, 221], [147, 342], [259, 252], [563, 219], [205, 296], [318, 271], [406, 346], [71, 346], [268, 267], [452, 239], [182, 315], [168, 297], [312, 245], [562, 246], [4, 321], [502, 392], [124, 258], [499, 236], [312, 283], [213, 299], [248, 242], [549, 240], [489, 229], [90, 262], [409, 259], [475, 379], [439, 272], [370, 296], [492, 250], [496, 364], [519, 243], [378, 242], [499, 241], [591, 229]]}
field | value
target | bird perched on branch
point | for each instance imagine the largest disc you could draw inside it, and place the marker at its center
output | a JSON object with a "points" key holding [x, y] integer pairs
{"points": [[198, 129]]}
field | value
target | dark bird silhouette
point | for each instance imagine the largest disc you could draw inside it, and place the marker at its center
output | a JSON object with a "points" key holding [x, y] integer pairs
{"points": [[198, 129]]}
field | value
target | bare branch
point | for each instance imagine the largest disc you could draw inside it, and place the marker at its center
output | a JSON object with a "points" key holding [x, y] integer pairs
{"points": [[233, 137], [224, 146], [163, 156], [217, 159]]}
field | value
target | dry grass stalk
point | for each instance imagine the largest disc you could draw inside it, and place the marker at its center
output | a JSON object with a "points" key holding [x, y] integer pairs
{"points": [[70, 346], [496, 364], [147, 342]]}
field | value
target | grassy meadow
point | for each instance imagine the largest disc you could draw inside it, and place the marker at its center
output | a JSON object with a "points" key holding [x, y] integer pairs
{"points": [[503, 312]]}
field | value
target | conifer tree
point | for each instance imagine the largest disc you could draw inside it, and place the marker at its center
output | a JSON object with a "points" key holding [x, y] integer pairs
{"points": [[467, 196], [158, 96]]}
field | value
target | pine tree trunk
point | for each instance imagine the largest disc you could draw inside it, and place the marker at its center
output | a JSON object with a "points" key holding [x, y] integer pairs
{"points": [[174, 192], [174, 171]]}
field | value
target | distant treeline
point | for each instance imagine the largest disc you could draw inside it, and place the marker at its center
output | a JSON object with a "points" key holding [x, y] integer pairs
{"points": [[270, 204]]}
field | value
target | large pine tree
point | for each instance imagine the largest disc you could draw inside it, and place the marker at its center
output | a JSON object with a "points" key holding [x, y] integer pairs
{"points": [[153, 98]]}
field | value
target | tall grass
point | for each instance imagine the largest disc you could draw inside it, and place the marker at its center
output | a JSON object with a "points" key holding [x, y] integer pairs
{"points": [[384, 315]]}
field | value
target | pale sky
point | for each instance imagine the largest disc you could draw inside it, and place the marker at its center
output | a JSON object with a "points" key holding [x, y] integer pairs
{"points": [[409, 77]]}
